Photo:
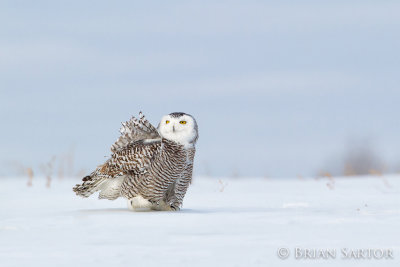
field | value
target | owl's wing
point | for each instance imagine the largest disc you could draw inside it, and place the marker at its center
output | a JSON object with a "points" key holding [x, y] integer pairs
{"points": [[134, 159], [134, 130]]}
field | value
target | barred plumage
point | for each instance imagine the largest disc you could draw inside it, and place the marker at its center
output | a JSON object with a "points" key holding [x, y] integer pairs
{"points": [[151, 168]]}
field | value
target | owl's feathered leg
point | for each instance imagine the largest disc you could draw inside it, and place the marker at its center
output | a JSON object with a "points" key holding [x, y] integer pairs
{"points": [[139, 203], [170, 197]]}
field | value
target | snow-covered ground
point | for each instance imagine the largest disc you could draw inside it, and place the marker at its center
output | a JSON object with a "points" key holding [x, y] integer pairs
{"points": [[236, 222]]}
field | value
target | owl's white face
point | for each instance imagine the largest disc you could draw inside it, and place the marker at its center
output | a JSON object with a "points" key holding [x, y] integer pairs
{"points": [[180, 128]]}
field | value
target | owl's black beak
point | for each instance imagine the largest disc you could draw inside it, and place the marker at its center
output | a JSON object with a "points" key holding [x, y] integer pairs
{"points": [[173, 128]]}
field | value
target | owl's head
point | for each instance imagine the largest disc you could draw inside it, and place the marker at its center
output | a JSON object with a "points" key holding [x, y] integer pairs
{"points": [[179, 127]]}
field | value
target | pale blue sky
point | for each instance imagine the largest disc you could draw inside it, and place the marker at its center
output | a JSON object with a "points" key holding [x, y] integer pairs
{"points": [[277, 87]]}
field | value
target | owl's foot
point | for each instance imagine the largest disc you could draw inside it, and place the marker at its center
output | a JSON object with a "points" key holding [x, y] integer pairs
{"points": [[162, 206], [175, 208], [139, 203]]}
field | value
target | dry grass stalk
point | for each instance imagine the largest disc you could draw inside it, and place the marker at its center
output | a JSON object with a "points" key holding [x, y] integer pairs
{"points": [[331, 181], [223, 185], [375, 172], [385, 181], [47, 170], [29, 172]]}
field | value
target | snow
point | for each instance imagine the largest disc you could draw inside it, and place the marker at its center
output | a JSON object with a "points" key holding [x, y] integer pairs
{"points": [[227, 222]]}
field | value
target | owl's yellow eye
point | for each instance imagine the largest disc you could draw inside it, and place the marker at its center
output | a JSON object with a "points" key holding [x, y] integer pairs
{"points": [[166, 122], [182, 122]]}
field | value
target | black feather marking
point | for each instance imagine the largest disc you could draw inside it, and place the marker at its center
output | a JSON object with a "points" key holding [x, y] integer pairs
{"points": [[177, 114], [87, 178]]}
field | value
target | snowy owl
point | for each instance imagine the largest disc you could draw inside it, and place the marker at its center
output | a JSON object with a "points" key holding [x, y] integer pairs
{"points": [[150, 167]]}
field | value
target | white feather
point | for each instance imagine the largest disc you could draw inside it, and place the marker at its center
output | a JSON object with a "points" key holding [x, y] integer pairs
{"points": [[172, 129], [111, 188]]}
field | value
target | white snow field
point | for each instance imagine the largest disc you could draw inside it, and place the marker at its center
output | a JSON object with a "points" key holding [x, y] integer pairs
{"points": [[239, 222]]}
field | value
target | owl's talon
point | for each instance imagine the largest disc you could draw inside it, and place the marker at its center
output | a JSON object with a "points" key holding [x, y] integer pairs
{"points": [[175, 208]]}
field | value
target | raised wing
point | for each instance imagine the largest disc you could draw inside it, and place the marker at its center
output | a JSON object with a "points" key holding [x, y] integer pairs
{"points": [[135, 130], [135, 157]]}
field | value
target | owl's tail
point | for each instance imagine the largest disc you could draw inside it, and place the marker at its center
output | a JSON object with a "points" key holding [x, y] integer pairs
{"points": [[91, 184], [109, 186]]}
